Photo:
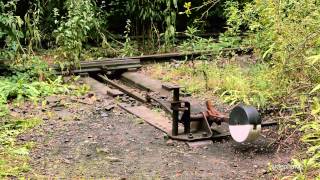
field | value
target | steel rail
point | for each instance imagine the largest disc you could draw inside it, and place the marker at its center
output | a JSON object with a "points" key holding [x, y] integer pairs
{"points": [[122, 88]]}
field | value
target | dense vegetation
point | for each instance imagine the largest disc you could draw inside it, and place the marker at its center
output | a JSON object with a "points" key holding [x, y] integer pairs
{"points": [[285, 36]]}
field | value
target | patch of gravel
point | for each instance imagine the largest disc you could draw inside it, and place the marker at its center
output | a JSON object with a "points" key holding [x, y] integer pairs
{"points": [[109, 143]]}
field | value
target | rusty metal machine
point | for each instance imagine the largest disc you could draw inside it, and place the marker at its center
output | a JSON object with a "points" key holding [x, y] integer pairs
{"points": [[185, 118]]}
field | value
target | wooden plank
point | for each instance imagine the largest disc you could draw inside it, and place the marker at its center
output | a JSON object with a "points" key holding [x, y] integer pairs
{"points": [[144, 82], [161, 122], [114, 92], [99, 65], [153, 118], [100, 88], [97, 87]]}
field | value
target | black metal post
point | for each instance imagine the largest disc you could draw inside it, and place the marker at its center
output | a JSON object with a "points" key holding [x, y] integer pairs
{"points": [[187, 118], [175, 111]]}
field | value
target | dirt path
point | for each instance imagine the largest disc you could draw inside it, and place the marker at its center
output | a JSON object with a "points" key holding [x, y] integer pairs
{"points": [[91, 138]]}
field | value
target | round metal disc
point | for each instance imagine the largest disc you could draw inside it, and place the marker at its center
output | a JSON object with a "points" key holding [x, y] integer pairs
{"points": [[244, 124], [243, 115], [244, 133]]}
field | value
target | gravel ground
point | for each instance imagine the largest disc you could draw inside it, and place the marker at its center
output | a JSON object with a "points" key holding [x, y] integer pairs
{"points": [[90, 137]]}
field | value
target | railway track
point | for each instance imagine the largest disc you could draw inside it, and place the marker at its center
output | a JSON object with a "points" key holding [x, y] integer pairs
{"points": [[184, 118], [135, 62]]}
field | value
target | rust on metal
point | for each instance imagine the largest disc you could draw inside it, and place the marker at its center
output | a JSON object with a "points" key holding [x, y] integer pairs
{"points": [[114, 92], [144, 82], [151, 117], [106, 64], [214, 114], [162, 123], [123, 88], [194, 119], [190, 120]]}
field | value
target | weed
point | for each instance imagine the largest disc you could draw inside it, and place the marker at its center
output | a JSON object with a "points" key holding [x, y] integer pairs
{"points": [[76, 27], [32, 82], [14, 158], [10, 30], [128, 49], [233, 83], [309, 164], [138, 121], [286, 34]]}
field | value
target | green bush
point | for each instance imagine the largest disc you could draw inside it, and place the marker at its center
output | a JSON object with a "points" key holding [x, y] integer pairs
{"points": [[10, 30], [76, 28], [13, 157], [251, 85], [283, 32], [286, 34]]}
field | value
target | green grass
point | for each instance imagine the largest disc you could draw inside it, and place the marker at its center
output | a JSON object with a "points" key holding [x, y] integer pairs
{"points": [[14, 157], [32, 83], [258, 85], [252, 84]]}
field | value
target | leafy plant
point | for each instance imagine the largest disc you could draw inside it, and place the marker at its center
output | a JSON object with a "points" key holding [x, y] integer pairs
{"points": [[128, 49], [10, 30], [309, 164], [286, 35], [285, 32], [158, 13], [233, 83], [32, 82], [76, 27], [13, 157], [32, 23], [196, 43]]}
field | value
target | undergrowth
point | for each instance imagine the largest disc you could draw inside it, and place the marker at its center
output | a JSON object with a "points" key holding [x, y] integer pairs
{"points": [[250, 85], [286, 35], [14, 157], [196, 43], [31, 81]]}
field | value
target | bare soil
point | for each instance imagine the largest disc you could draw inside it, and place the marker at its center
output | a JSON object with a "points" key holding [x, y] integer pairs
{"points": [[90, 137]]}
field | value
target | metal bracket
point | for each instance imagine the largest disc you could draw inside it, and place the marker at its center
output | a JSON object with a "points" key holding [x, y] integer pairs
{"points": [[196, 130]]}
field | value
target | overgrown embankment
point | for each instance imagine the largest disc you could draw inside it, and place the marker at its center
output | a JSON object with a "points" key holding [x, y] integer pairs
{"points": [[19, 85], [284, 34]]}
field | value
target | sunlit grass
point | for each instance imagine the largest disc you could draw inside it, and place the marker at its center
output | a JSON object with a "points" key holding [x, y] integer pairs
{"points": [[252, 84], [14, 157]]}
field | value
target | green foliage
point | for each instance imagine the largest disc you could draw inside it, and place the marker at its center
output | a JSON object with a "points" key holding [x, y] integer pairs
{"points": [[286, 34], [32, 24], [187, 6], [149, 13], [309, 164], [250, 85], [76, 27], [14, 158], [170, 19], [13, 29], [10, 29], [128, 49], [196, 43], [10, 128], [31, 82], [20, 88]]}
